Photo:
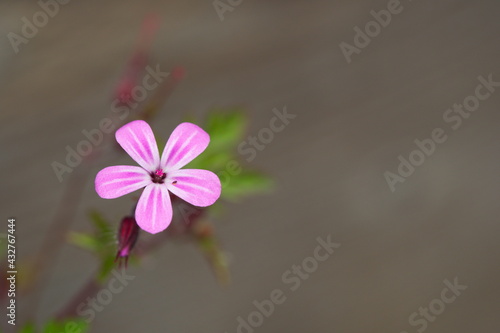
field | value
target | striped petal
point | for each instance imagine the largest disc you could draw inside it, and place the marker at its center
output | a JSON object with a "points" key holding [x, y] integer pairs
{"points": [[198, 187], [154, 209], [185, 143], [138, 140], [115, 181]]}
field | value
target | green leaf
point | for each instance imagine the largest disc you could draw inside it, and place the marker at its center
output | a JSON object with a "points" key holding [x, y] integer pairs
{"points": [[85, 241], [51, 327], [101, 243], [103, 227], [68, 325], [226, 128], [246, 183], [107, 265], [28, 328], [216, 258], [214, 162]]}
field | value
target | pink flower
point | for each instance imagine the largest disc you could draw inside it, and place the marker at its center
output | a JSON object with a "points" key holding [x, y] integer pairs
{"points": [[159, 176]]}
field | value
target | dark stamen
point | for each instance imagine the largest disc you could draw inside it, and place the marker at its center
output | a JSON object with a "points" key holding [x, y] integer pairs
{"points": [[158, 176]]}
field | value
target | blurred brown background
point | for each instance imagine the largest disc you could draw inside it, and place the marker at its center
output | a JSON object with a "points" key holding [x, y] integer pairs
{"points": [[353, 120]]}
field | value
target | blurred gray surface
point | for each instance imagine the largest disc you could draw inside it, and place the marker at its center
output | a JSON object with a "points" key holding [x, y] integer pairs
{"points": [[353, 120]]}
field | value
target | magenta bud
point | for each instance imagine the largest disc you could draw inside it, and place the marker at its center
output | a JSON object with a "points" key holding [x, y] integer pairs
{"points": [[127, 237], [124, 91]]}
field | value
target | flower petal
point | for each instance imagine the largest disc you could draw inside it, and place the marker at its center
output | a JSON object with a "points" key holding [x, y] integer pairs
{"points": [[115, 181], [185, 143], [154, 209], [138, 140], [198, 187]]}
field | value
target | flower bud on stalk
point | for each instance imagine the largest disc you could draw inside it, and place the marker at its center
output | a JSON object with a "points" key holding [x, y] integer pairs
{"points": [[127, 237], [139, 59]]}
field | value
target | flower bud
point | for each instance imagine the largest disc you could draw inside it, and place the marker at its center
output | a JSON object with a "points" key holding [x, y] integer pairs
{"points": [[127, 237]]}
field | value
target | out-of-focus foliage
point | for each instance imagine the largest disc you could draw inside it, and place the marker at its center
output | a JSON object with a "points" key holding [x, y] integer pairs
{"points": [[226, 128], [68, 325], [102, 243], [28, 328], [205, 237]]}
